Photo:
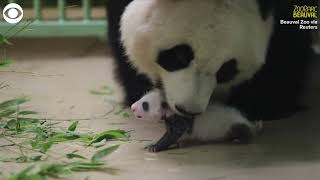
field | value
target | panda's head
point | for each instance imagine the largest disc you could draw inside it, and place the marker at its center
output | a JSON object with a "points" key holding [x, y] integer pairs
{"points": [[190, 54]]}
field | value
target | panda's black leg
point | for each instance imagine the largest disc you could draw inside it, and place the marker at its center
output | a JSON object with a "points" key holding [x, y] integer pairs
{"points": [[176, 127], [164, 143], [134, 85], [240, 134]]}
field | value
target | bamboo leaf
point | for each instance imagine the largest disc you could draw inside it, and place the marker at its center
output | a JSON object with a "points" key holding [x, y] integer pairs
{"points": [[41, 145], [13, 102], [5, 62], [24, 159], [73, 155], [73, 126], [12, 124], [7, 113], [53, 170], [4, 40], [111, 134], [102, 153], [24, 113], [64, 136]]}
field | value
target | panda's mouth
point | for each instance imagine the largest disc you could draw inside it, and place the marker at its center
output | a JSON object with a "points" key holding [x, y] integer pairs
{"points": [[178, 109], [182, 111]]}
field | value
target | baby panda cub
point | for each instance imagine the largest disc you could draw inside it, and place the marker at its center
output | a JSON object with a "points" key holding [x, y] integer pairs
{"points": [[152, 106]]}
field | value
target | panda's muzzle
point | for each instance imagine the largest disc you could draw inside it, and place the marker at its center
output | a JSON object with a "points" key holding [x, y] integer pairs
{"points": [[185, 112]]}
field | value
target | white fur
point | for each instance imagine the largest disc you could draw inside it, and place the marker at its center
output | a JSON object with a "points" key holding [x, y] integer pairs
{"points": [[156, 112], [217, 30], [216, 122]]}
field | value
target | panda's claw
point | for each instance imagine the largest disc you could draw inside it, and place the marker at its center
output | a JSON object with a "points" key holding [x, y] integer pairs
{"points": [[153, 148]]}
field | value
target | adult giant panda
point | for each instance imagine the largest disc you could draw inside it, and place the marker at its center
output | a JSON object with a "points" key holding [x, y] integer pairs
{"points": [[222, 64]]}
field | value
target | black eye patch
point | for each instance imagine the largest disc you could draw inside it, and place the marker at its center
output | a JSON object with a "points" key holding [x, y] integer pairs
{"points": [[176, 58], [145, 106], [227, 72]]}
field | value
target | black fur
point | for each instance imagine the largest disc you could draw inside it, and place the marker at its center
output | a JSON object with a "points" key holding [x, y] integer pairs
{"points": [[227, 72], [240, 133], [145, 106], [176, 58], [176, 126], [276, 89], [134, 85], [182, 110], [164, 105], [266, 7]]}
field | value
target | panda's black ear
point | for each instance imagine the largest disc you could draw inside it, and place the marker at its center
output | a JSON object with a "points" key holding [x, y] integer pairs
{"points": [[176, 58]]}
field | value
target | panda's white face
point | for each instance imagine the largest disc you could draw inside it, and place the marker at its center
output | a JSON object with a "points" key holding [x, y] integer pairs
{"points": [[187, 53], [188, 84]]}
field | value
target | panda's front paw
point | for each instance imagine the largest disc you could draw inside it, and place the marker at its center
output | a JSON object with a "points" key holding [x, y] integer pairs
{"points": [[153, 148]]}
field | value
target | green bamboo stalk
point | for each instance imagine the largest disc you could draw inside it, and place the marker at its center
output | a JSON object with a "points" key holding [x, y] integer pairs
{"points": [[37, 9], [62, 10], [86, 6]]}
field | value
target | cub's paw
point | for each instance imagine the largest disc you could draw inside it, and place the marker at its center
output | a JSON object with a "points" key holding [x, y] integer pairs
{"points": [[240, 134]]}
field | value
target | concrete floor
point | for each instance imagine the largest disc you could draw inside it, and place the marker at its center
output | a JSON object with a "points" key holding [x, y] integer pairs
{"points": [[58, 75]]}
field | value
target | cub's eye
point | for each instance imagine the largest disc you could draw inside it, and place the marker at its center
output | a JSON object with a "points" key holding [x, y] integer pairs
{"points": [[145, 106], [176, 58]]}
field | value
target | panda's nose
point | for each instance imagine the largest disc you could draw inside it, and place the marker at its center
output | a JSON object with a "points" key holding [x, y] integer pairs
{"points": [[183, 111], [133, 107]]}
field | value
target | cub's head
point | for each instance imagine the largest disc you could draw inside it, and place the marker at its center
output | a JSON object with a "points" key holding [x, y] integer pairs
{"points": [[186, 45]]}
